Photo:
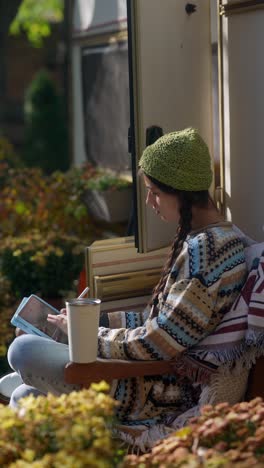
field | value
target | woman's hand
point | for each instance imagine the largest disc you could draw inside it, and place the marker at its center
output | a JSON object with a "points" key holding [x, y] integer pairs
{"points": [[60, 320], [19, 332]]}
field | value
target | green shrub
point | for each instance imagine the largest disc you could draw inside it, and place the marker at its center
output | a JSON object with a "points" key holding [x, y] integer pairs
{"points": [[108, 180], [46, 264], [46, 140], [31, 200]]}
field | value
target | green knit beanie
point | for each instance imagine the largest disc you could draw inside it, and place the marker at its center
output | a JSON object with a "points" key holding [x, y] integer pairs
{"points": [[180, 160]]}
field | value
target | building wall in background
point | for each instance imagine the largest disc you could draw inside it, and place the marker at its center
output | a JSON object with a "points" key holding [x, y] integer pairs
{"points": [[23, 62]]}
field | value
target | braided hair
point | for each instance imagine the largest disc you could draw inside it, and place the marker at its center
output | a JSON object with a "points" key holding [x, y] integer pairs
{"points": [[187, 201]]}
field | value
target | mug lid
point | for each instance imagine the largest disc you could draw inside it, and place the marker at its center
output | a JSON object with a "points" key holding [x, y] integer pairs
{"points": [[83, 301]]}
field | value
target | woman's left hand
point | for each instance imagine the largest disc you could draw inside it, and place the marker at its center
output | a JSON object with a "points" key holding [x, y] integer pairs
{"points": [[60, 320]]}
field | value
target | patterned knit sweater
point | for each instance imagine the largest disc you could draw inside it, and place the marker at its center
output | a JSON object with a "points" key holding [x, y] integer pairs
{"points": [[203, 284]]}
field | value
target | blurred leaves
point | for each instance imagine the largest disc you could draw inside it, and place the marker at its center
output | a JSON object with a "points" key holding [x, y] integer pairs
{"points": [[35, 18], [44, 228], [31, 200], [223, 436], [70, 430], [46, 264], [108, 180]]}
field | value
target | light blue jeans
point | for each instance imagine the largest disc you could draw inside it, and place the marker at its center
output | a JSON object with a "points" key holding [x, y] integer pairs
{"points": [[40, 363]]}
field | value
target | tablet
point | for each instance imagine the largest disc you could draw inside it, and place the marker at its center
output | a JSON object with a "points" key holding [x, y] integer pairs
{"points": [[31, 317]]}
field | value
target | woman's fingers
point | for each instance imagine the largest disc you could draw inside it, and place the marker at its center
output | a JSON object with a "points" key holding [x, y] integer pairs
{"points": [[19, 332], [60, 320]]}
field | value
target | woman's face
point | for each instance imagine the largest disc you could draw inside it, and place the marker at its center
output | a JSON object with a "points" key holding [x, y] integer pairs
{"points": [[165, 205]]}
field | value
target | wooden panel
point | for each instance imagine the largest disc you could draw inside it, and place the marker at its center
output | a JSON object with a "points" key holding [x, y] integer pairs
{"points": [[119, 255], [124, 285]]}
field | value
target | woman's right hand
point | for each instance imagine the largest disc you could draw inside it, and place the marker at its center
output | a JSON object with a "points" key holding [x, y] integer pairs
{"points": [[60, 320]]}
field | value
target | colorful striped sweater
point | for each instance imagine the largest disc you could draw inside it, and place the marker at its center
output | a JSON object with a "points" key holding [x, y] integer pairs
{"points": [[203, 284]]}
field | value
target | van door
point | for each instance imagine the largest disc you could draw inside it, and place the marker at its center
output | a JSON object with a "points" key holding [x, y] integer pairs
{"points": [[170, 85]]}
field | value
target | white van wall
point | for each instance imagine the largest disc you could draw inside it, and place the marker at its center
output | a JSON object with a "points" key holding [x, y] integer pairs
{"points": [[243, 114]]}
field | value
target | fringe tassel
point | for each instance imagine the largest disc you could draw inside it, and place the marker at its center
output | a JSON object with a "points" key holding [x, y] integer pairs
{"points": [[197, 373], [255, 338], [146, 440], [226, 385], [221, 356], [245, 353]]}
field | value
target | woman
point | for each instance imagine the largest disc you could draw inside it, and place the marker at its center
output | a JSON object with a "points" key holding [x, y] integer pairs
{"points": [[201, 279]]}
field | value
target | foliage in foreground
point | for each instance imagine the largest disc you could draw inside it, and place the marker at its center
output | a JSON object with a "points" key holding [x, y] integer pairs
{"points": [[223, 436], [71, 430], [75, 431]]}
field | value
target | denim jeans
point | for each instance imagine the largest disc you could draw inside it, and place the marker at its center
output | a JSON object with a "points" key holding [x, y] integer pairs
{"points": [[40, 362]]}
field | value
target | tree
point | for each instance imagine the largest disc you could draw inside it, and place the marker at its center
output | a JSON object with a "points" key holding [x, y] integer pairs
{"points": [[31, 16], [35, 18]]}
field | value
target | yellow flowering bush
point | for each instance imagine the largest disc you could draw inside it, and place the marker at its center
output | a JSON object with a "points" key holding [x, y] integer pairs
{"points": [[223, 436], [70, 430]]}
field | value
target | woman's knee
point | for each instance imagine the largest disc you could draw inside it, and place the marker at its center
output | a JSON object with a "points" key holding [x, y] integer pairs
{"points": [[16, 353], [31, 353], [24, 352]]}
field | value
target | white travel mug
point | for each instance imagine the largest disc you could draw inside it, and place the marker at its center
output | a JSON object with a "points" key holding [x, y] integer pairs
{"points": [[83, 322]]}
